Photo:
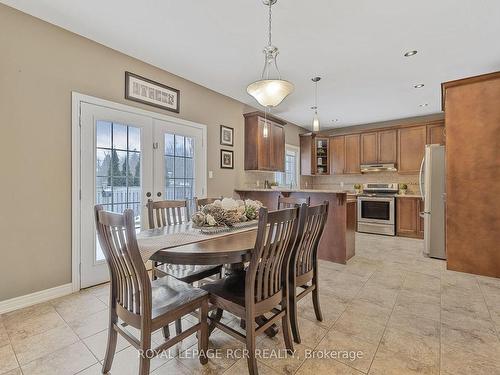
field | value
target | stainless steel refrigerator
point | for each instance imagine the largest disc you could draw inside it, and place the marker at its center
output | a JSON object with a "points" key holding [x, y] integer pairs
{"points": [[432, 189]]}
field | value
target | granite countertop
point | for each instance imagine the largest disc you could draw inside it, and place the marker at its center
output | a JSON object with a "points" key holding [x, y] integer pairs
{"points": [[287, 190], [408, 196]]}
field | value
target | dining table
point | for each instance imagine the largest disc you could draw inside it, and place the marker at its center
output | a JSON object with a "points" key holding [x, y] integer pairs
{"points": [[184, 244]]}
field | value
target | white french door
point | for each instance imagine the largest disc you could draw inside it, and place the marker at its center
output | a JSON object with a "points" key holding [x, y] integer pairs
{"points": [[125, 159]]}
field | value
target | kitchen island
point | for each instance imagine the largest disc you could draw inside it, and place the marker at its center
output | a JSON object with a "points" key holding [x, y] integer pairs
{"points": [[338, 240]]}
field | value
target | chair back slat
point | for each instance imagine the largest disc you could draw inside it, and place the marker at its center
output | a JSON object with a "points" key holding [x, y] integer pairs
{"points": [[129, 278], [165, 213], [200, 202], [269, 262], [291, 202], [312, 224]]}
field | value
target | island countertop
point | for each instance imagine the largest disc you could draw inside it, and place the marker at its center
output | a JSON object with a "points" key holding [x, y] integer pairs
{"points": [[338, 240]]}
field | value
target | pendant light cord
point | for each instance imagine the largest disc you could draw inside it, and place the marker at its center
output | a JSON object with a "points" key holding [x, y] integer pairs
{"points": [[270, 22]]}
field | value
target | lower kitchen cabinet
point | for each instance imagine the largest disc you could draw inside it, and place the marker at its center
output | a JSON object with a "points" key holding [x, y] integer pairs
{"points": [[408, 220]]}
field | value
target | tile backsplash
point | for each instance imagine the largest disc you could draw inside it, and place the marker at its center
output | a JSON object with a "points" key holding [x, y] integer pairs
{"points": [[335, 181]]}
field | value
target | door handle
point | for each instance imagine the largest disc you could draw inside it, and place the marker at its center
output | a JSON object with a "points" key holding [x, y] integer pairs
{"points": [[148, 194]]}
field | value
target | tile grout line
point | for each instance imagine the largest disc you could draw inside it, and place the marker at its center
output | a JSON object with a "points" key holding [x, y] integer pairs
{"points": [[12, 347], [387, 323], [488, 308]]}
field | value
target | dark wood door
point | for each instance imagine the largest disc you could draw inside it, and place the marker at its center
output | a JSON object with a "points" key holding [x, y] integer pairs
{"points": [[411, 148], [306, 155], [387, 146], [277, 159], [436, 134], [337, 155], [369, 148], [406, 217], [352, 157], [264, 145]]}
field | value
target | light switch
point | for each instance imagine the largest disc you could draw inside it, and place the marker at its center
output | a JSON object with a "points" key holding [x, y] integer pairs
{"points": [[210, 174]]}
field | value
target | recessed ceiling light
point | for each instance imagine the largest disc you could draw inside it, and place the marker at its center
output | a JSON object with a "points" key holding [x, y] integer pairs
{"points": [[410, 53], [423, 105], [419, 86]]}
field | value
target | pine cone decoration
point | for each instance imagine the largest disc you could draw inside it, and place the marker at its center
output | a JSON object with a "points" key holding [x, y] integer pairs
{"points": [[218, 213]]}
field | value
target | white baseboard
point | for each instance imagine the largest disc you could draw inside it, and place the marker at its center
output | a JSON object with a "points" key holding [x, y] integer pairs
{"points": [[34, 298]]}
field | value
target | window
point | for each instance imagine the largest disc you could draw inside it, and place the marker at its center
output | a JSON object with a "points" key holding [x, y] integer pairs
{"points": [[179, 167], [291, 176]]}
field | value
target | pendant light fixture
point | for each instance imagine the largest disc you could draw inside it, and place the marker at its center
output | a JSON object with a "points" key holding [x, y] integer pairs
{"points": [[270, 90], [315, 123]]}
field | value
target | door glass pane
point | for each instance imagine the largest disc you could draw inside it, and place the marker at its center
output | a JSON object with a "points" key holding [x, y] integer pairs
{"points": [[118, 170], [179, 167]]}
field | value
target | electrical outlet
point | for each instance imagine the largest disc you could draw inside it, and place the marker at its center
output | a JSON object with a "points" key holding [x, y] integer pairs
{"points": [[210, 174]]}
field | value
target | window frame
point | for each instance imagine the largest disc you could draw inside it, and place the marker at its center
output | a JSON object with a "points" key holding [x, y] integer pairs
{"points": [[280, 177]]}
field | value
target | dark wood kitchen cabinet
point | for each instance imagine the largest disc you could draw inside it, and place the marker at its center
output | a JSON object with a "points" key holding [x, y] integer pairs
{"points": [[411, 148], [314, 154], [408, 220], [352, 154], [436, 133], [379, 147], [337, 155], [387, 146], [264, 142]]}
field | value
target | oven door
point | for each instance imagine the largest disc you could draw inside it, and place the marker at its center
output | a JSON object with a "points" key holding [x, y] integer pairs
{"points": [[378, 210]]}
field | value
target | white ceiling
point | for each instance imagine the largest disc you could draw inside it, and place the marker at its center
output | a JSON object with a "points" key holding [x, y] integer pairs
{"points": [[355, 46]]}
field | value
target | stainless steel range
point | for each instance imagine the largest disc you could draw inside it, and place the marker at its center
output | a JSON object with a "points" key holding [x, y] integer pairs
{"points": [[376, 209]]}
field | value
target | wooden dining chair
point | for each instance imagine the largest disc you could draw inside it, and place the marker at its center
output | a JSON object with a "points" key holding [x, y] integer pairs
{"points": [[143, 304], [304, 262], [290, 202], [200, 202], [169, 212], [262, 287]]}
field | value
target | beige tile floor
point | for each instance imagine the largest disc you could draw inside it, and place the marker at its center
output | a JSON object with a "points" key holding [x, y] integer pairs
{"points": [[404, 312]]}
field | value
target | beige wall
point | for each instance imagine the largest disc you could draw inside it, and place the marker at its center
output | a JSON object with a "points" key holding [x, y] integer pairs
{"points": [[40, 65]]}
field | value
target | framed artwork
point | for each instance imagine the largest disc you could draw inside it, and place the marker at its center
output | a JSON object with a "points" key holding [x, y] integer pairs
{"points": [[226, 135], [146, 91], [226, 159]]}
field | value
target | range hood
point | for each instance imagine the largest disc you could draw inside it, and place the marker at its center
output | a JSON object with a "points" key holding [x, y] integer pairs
{"points": [[366, 168]]}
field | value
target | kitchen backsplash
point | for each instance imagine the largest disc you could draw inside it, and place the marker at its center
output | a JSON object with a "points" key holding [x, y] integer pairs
{"points": [[334, 182]]}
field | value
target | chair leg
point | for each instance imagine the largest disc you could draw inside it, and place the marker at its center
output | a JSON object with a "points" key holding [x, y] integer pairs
{"points": [[287, 334], [250, 341], [317, 308], [292, 308], [203, 337], [178, 326], [112, 339], [145, 358]]}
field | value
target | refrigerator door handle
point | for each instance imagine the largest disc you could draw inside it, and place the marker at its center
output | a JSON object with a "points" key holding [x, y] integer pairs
{"points": [[421, 177]]}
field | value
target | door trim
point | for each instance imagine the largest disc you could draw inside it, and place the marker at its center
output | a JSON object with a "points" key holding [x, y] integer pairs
{"points": [[76, 100]]}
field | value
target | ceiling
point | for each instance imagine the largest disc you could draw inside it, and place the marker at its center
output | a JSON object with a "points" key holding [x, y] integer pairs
{"points": [[357, 47]]}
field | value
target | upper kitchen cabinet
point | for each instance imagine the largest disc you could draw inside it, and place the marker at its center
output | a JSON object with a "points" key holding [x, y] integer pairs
{"points": [[436, 133], [379, 147], [352, 154], [387, 146], [264, 142], [369, 149], [411, 141], [337, 155], [314, 154]]}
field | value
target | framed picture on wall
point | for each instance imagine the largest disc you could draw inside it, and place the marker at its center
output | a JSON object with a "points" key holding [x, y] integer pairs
{"points": [[226, 136], [146, 91], [226, 159]]}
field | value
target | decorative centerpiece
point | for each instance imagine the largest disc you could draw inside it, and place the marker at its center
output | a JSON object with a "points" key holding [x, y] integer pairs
{"points": [[222, 215]]}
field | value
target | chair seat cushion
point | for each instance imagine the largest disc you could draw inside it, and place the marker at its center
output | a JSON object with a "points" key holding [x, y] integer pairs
{"points": [[169, 294], [187, 273], [231, 288]]}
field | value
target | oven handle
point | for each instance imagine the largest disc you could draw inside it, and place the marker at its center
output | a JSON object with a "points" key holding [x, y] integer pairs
{"points": [[375, 199]]}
